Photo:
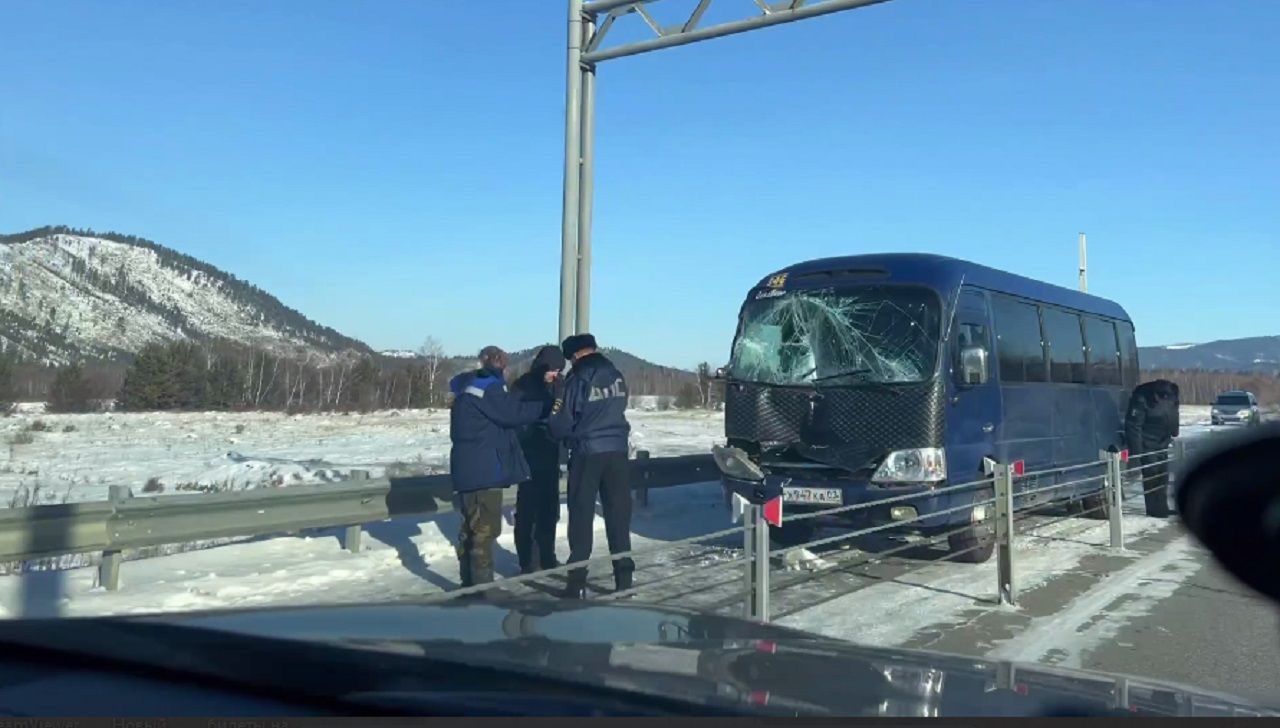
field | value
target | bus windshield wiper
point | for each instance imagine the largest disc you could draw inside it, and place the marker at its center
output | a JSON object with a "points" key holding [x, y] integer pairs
{"points": [[849, 373]]}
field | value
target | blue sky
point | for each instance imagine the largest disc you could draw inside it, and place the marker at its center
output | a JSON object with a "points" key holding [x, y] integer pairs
{"points": [[393, 169]]}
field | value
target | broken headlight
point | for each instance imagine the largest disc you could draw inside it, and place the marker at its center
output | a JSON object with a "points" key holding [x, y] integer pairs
{"points": [[918, 465]]}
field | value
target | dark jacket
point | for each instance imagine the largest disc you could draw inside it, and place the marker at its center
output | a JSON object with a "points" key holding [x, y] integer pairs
{"points": [[482, 427], [1152, 421], [541, 450], [589, 413]]}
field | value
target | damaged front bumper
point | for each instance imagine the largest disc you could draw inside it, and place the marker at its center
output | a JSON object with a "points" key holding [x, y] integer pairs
{"points": [[860, 503]]}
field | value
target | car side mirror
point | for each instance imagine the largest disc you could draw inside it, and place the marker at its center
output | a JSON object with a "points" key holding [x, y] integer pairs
{"points": [[973, 365], [1229, 497]]}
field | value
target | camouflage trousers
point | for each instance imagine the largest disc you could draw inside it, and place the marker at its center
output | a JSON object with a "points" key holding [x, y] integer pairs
{"points": [[481, 513]]}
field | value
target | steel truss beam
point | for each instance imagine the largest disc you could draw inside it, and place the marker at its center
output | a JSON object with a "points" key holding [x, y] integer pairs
{"points": [[690, 31]]}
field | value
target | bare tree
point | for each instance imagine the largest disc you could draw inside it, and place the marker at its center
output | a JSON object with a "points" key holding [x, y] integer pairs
{"points": [[704, 384], [432, 352]]}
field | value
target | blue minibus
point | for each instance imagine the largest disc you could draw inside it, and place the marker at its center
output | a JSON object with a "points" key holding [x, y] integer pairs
{"points": [[862, 378]]}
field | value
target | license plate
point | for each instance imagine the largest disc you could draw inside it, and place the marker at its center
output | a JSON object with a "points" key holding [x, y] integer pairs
{"points": [[823, 496]]}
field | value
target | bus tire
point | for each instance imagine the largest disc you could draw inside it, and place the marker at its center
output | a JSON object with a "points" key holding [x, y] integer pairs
{"points": [[974, 545], [793, 533]]}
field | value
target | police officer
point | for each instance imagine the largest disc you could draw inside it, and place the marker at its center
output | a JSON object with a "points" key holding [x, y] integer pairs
{"points": [[538, 499], [1149, 428], [589, 414], [485, 457]]}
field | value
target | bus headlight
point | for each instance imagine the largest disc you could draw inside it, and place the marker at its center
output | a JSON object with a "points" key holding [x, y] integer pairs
{"points": [[919, 465]]}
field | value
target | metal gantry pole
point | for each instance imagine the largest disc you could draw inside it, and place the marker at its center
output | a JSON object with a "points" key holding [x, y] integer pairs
{"points": [[570, 221], [586, 188]]}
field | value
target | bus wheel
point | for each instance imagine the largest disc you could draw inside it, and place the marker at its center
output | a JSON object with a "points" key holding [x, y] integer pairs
{"points": [[974, 545], [793, 533]]}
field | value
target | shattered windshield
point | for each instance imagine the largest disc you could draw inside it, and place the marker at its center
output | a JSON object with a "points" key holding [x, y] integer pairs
{"points": [[865, 334]]}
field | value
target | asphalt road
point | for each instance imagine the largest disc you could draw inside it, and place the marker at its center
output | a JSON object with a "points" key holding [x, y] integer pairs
{"points": [[1165, 611], [1162, 609]]}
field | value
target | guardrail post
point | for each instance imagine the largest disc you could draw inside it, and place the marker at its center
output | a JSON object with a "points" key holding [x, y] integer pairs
{"points": [[756, 546], [1006, 675], [1006, 586], [749, 516], [351, 534], [1121, 697], [1115, 496], [109, 568], [1178, 454], [642, 491]]}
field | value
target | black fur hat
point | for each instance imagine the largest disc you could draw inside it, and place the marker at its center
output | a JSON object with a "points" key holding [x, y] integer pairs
{"points": [[577, 343]]}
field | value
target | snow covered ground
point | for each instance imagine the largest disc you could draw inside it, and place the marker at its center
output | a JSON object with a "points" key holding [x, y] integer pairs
{"points": [[400, 559], [76, 457]]}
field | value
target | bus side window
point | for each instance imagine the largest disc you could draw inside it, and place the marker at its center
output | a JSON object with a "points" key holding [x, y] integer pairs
{"points": [[1019, 341]]}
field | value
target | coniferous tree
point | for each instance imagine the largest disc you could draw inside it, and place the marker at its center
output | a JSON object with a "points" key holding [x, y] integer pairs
{"points": [[8, 363], [70, 391]]}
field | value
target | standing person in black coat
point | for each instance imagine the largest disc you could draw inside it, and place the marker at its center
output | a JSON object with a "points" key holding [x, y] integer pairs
{"points": [[485, 457], [1149, 428], [538, 499], [589, 414]]}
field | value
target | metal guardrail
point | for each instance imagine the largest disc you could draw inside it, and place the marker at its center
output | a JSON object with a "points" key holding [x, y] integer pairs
{"points": [[124, 522], [1011, 508], [1009, 495]]}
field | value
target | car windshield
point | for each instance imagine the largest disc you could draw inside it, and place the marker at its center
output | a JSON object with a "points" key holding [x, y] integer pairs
{"points": [[1233, 400], [865, 334]]}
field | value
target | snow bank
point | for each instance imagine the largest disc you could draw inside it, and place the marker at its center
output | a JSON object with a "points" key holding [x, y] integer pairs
{"points": [[77, 457]]}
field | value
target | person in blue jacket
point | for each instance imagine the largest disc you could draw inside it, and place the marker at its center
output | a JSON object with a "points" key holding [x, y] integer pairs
{"points": [[589, 415], [486, 457]]}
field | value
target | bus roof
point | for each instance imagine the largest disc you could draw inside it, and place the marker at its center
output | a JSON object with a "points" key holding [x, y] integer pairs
{"points": [[941, 273]]}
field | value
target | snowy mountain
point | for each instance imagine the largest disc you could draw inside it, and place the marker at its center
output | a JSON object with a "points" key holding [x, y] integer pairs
{"points": [[68, 294], [398, 354], [1254, 354]]}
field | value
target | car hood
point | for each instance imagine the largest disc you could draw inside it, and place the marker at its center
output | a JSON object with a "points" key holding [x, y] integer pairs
{"points": [[712, 660]]}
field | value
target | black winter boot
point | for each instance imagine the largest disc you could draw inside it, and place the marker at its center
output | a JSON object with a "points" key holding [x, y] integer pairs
{"points": [[577, 587], [622, 580]]}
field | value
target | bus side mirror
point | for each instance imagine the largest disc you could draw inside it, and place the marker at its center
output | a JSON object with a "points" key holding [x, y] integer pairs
{"points": [[973, 365], [721, 373]]}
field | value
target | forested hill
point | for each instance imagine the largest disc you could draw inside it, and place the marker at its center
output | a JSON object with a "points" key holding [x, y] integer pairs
{"points": [[79, 295]]}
